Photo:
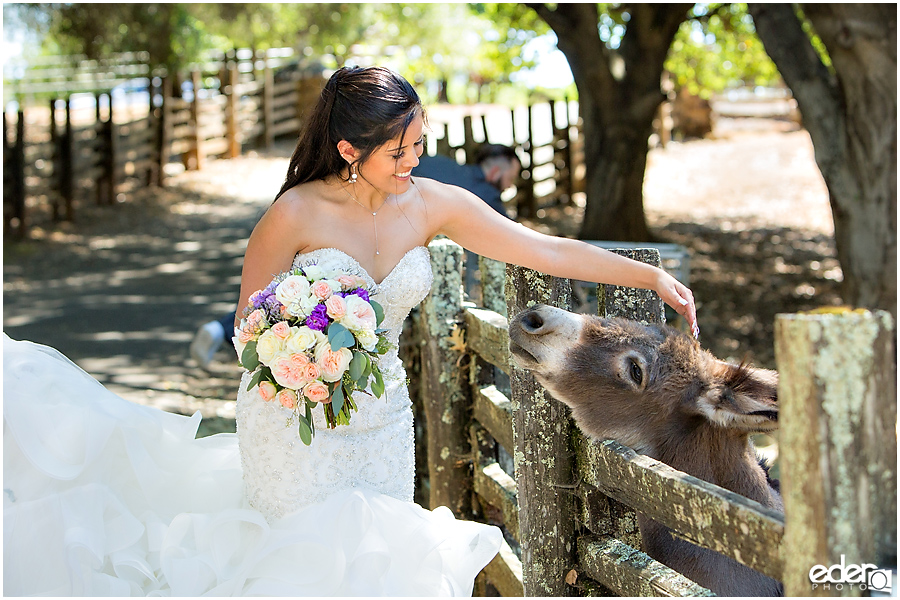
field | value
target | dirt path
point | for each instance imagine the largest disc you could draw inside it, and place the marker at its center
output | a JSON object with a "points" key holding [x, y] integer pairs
{"points": [[122, 291]]}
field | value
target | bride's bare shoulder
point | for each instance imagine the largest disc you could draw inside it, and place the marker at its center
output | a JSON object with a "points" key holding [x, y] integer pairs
{"points": [[300, 202]]}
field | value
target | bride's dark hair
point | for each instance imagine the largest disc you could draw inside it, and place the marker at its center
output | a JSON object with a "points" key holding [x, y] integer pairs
{"points": [[368, 107]]}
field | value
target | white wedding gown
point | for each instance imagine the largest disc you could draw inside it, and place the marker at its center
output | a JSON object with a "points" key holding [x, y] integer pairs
{"points": [[105, 497]]}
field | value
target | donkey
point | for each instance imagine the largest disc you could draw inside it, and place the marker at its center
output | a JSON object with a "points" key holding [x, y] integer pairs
{"points": [[654, 389]]}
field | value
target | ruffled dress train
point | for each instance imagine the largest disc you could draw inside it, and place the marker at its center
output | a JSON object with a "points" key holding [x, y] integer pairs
{"points": [[104, 497]]}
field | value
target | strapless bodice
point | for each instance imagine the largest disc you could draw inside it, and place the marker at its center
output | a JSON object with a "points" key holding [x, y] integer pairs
{"points": [[375, 450]]}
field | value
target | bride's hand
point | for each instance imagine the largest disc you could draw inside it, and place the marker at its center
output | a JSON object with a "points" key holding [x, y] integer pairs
{"points": [[679, 297]]}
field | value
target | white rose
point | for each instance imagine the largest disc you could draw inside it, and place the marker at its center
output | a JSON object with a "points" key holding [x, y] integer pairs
{"points": [[268, 346], [306, 306], [314, 272], [367, 339], [292, 291], [300, 339]]}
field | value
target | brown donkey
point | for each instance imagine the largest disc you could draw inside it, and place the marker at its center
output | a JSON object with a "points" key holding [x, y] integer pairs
{"points": [[653, 388]]}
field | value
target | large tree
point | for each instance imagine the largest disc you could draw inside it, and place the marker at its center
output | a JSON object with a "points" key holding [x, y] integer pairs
{"points": [[850, 110], [616, 53]]}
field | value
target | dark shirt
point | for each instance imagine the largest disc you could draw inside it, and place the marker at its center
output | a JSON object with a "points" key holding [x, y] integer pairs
{"points": [[469, 177]]}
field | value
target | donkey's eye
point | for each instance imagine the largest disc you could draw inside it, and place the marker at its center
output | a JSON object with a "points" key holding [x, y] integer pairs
{"points": [[636, 373]]}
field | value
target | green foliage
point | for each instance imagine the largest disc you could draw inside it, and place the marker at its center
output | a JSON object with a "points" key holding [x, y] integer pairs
{"points": [[427, 43], [717, 49]]}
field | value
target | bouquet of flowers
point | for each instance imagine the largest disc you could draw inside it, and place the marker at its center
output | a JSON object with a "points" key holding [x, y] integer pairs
{"points": [[311, 337]]}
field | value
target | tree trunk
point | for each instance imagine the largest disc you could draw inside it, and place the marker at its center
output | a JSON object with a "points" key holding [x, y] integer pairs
{"points": [[619, 93], [851, 116]]}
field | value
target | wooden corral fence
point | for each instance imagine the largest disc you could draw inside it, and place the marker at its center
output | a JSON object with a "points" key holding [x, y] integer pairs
{"points": [[90, 143], [548, 138], [500, 449], [65, 153]]}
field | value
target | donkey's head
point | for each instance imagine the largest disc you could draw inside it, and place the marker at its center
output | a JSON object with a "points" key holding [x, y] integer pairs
{"points": [[636, 383]]}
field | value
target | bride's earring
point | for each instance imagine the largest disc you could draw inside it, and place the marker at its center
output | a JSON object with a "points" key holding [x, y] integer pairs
{"points": [[353, 175]]}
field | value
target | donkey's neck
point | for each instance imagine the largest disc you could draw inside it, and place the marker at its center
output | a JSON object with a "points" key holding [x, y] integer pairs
{"points": [[717, 455]]}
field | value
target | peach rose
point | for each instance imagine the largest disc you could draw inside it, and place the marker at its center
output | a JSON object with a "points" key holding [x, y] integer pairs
{"points": [[360, 314], [332, 364], [287, 398], [244, 335], [281, 330], [267, 391], [321, 290], [336, 308], [317, 392], [348, 282], [311, 371], [290, 371], [256, 319]]}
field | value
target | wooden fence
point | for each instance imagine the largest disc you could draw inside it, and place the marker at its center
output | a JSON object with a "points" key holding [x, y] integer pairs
{"points": [[90, 144], [65, 154], [568, 514]]}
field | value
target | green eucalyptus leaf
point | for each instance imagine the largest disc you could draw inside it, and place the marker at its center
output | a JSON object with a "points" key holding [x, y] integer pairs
{"points": [[337, 399], [254, 381], [249, 358], [305, 431], [340, 337], [357, 365], [379, 312], [378, 384]]}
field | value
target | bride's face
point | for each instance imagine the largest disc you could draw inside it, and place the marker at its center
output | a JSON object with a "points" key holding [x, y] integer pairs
{"points": [[390, 166]]}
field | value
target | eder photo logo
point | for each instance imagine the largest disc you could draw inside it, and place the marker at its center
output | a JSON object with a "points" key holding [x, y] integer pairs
{"points": [[866, 577]]}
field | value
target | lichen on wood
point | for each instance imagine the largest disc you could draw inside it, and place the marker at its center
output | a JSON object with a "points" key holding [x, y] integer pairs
{"points": [[543, 458], [838, 415], [630, 572], [445, 389]]}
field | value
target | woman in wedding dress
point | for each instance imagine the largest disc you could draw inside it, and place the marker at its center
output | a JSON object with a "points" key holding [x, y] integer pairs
{"points": [[105, 497]]}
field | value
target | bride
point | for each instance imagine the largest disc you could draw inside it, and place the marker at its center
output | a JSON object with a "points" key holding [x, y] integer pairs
{"points": [[106, 497]]}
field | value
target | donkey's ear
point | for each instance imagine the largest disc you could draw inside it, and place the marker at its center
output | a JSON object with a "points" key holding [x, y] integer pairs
{"points": [[742, 397]]}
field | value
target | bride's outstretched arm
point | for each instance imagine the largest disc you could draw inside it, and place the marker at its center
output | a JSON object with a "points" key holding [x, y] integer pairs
{"points": [[468, 221]]}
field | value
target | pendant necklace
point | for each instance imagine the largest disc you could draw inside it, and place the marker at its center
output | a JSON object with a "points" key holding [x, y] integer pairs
{"points": [[374, 213]]}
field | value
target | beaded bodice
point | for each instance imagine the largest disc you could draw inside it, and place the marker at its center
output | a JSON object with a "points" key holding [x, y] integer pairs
{"points": [[375, 451]]}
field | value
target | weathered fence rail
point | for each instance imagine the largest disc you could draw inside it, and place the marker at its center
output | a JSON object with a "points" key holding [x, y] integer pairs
{"points": [[568, 505]]}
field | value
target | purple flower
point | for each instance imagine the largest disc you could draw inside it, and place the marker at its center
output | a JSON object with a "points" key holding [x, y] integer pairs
{"points": [[317, 320], [362, 293]]}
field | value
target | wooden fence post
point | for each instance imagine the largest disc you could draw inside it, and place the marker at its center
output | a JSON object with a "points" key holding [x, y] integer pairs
{"points": [[163, 132], [64, 163], [108, 130], [14, 174], [493, 284], [469, 144], [268, 111], [194, 157], [543, 455], [838, 412], [443, 142], [446, 389], [231, 113], [631, 303]]}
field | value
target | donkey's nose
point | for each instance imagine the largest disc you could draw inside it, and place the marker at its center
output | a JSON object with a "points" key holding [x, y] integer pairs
{"points": [[532, 321], [543, 320]]}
